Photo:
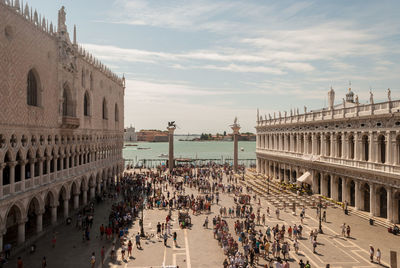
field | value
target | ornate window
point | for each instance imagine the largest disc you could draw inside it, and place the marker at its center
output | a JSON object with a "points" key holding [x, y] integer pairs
{"points": [[104, 109], [381, 149], [86, 104], [32, 89], [116, 113]]}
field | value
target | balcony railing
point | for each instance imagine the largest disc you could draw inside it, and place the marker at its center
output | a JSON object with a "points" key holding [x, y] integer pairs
{"points": [[70, 122]]}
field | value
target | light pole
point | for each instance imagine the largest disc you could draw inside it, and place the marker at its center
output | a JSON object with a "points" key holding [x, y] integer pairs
{"points": [[320, 215]]}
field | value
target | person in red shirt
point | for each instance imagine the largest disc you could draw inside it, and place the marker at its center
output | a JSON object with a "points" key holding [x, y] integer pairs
{"points": [[20, 264]]}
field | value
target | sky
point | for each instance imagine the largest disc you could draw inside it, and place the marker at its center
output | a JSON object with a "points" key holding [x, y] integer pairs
{"points": [[203, 62]]}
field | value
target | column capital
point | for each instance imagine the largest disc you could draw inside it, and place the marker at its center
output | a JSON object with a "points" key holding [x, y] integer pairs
{"points": [[12, 163], [22, 221]]}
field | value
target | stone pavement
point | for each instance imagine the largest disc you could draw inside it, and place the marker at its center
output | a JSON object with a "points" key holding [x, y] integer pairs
{"points": [[197, 248]]}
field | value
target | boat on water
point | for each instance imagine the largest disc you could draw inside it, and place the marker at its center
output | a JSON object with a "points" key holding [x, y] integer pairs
{"points": [[163, 155], [241, 149], [130, 144], [144, 148]]}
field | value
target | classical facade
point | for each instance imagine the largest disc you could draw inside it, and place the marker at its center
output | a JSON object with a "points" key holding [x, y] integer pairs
{"points": [[61, 123], [348, 152]]}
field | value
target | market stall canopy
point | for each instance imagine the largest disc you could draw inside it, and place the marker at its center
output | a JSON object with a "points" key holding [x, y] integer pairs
{"points": [[306, 178]]}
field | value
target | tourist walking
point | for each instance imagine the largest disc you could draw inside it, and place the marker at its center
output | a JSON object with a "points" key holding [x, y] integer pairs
{"points": [[129, 248], [371, 253], [44, 262], [92, 260], [343, 229], [378, 256], [137, 240], [348, 230], [165, 239], [174, 236]]}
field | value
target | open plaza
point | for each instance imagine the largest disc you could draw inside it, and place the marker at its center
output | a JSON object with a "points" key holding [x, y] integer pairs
{"points": [[324, 190]]}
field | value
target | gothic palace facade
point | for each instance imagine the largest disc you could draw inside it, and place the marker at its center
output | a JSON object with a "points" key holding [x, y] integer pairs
{"points": [[61, 123], [348, 152]]}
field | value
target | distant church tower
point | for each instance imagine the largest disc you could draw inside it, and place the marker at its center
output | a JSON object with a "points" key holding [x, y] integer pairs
{"points": [[331, 98], [350, 96]]}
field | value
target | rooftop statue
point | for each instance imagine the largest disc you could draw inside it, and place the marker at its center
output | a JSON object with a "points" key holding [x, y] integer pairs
{"points": [[389, 94], [371, 97]]}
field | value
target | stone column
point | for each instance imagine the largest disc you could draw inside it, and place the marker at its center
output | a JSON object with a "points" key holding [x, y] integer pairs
{"points": [[12, 176], [324, 188], [357, 195], [333, 145], [372, 199], [313, 144], [54, 215], [389, 147], [66, 208], [76, 201], [39, 222], [285, 177], [48, 164], [371, 147], [22, 166], [67, 161], [171, 159], [235, 127], [84, 196], [92, 192], [334, 187], [55, 163], [41, 167], [389, 191], [21, 232], [314, 181], [258, 165], [323, 144], [345, 143], [266, 168], [345, 191], [62, 161]]}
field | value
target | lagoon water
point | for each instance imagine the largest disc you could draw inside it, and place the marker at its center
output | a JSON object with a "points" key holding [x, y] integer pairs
{"points": [[189, 149]]}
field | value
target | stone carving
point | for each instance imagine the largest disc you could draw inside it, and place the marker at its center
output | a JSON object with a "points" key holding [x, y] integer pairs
{"points": [[389, 94], [357, 102], [285, 114], [280, 114], [305, 109]]}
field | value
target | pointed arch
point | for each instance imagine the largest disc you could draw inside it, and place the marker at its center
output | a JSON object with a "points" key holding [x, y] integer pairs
{"points": [[33, 88], [104, 109]]}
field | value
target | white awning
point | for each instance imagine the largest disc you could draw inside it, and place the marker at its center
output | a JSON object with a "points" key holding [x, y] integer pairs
{"points": [[306, 178]]}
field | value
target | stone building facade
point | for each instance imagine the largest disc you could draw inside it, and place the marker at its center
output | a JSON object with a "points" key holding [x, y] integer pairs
{"points": [[348, 152], [61, 123]]}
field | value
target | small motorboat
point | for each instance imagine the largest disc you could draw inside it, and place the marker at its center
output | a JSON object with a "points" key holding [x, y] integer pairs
{"points": [[144, 148], [163, 155], [241, 149]]}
